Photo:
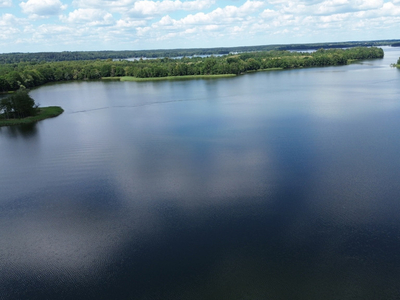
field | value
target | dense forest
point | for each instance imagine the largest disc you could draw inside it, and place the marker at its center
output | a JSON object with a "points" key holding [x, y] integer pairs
{"points": [[14, 76], [8, 58]]}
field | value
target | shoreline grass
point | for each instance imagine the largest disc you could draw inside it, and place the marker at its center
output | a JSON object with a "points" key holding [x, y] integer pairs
{"points": [[270, 69], [44, 113], [137, 79], [183, 77], [110, 78]]}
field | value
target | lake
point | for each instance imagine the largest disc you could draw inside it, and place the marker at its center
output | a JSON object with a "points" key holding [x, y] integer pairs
{"points": [[271, 185]]}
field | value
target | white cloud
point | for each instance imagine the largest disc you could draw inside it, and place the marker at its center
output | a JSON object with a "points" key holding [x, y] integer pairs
{"points": [[5, 3], [269, 14], [327, 7], [223, 22], [102, 3], [389, 9], [7, 19], [130, 23], [226, 15], [51, 36], [88, 16], [195, 23], [366, 4], [161, 7], [145, 7], [8, 30], [211, 27], [167, 20], [327, 20], [141, 31], [42, 7], [335, 18], [54, 30]]}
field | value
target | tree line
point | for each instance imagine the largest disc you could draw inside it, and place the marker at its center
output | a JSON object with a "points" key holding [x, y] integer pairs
{"points": [[8, 58], [14, 76]]}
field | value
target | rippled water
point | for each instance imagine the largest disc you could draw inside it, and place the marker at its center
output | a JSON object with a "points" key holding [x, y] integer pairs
{"points": [[273, 185]]}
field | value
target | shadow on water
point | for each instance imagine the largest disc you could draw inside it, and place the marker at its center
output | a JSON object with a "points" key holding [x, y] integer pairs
{"points": [[271, 246], [254, 250], [25, 130], [244, 250], [319, 222]]}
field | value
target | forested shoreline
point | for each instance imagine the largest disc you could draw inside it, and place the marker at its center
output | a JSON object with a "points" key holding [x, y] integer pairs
{"points": [[18, 57], [14, 76]]}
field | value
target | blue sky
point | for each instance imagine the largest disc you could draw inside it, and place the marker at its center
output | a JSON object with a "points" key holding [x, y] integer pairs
{"points": [[72, 25]]}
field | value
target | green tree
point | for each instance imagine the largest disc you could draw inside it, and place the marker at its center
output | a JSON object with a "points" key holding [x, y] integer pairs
{"points": [[209, 64], [4, 85], [253, 64], [18, 105], [14, 80]]}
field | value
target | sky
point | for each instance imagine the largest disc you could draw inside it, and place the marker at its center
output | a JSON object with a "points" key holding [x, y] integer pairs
{"points": [[85, 25]]}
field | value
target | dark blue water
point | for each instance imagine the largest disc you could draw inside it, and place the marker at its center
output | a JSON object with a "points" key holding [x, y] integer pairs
{"points": [[272, 185]]}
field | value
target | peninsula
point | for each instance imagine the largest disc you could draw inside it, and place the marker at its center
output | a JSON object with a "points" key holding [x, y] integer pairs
{"points": [[19, 108], [34, 73]]}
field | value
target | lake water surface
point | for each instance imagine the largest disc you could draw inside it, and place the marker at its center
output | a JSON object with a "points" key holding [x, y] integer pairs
{"points": [[271, 185]]}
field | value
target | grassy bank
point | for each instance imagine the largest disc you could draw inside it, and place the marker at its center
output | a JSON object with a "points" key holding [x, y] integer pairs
{"points": [[44, 113], [110, 78], [270, 69], [131, 78]]}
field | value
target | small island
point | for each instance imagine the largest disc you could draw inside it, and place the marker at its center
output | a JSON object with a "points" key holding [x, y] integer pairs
{"points": [[19, 108]]}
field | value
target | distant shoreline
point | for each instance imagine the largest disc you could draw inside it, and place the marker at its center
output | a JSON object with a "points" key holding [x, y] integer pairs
{"points": [[44, 113], [183, 52], [31, 75]]}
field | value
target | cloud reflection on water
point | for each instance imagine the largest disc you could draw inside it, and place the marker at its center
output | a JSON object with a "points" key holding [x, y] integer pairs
{"points": [[267, 195]]}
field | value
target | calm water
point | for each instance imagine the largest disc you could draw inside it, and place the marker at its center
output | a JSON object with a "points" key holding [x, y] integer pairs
{"points": [[273, 185]]}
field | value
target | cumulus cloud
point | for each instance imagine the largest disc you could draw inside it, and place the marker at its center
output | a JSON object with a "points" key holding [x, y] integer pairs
{"points": [[7, 19], [101, 3], [42, 7], [326, 7], [283, 19], [52, 30], [130, 23], [145, 7], [269, 14], [202, 23], [223, 22], [91, 17], [228, 14], [5, 3], [7, 26], [366, 4], [161, 7], [390, 9]]}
